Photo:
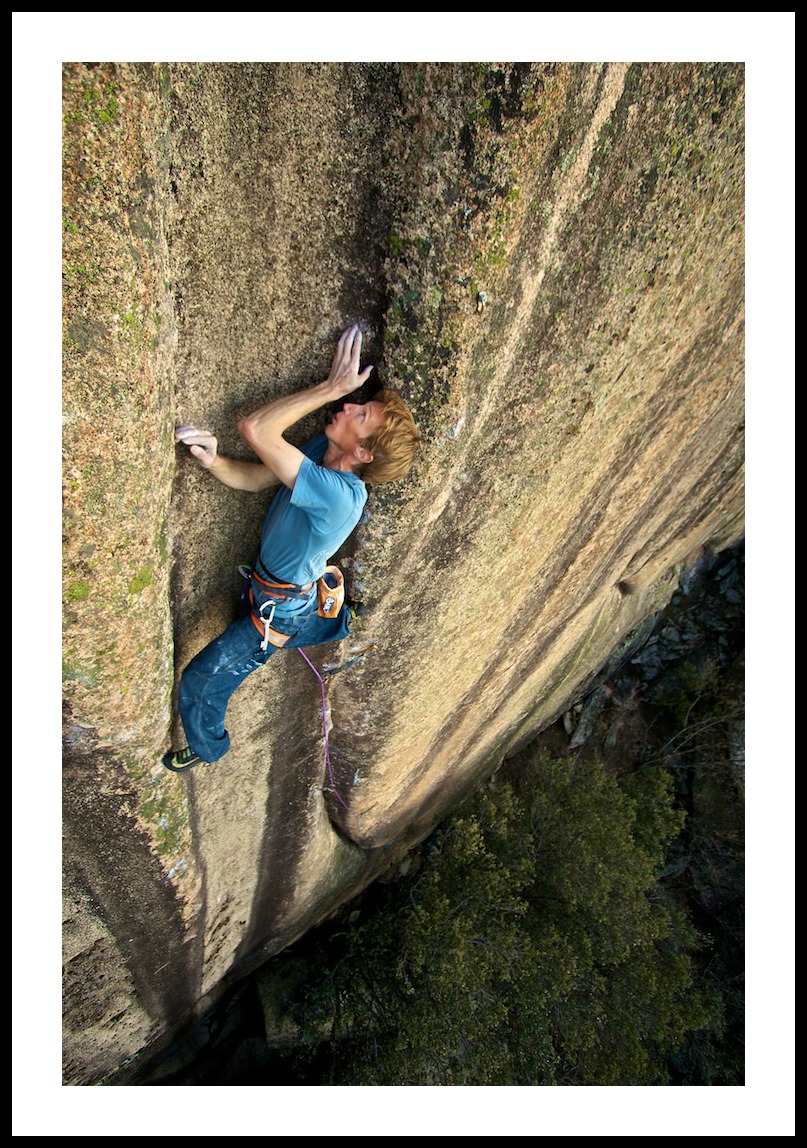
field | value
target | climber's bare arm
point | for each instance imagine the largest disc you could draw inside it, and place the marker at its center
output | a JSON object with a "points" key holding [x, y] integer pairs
{"points": [[263, 430], [238, 474]]}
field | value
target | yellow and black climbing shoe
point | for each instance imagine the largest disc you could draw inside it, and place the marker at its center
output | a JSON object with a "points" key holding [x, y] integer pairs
{"points": [[182, 760]]}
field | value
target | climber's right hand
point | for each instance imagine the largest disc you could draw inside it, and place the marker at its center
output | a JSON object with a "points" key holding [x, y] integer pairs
{"points": [[201, 443]]}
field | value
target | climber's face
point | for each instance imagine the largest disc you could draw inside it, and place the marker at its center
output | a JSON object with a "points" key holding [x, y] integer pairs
{"points": [[348, 428]]}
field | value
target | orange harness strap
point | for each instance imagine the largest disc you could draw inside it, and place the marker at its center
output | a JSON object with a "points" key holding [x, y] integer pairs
{"points": [[264, 624], [330, 599]]}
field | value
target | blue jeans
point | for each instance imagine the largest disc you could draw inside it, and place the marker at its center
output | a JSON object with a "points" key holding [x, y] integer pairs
{"points": [[213, 676]]}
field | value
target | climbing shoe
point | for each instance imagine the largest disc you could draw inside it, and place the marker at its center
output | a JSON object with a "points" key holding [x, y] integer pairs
{"points": [[182, 760]]}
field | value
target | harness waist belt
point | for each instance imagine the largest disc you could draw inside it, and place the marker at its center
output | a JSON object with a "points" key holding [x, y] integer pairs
{"points": [[278, 589], [266, 593], [272, 592]]}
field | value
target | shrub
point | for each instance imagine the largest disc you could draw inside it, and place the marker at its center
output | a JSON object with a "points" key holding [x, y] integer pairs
{"points": [[533, 946]]}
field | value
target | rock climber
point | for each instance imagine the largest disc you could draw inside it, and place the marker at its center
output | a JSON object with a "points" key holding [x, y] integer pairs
{"points": [[295, 598]]}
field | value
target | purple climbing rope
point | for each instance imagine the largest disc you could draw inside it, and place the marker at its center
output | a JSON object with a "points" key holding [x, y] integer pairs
{"points": [[324, 726]]}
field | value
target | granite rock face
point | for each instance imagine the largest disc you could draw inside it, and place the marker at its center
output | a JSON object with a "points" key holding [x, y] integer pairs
{"points": [[548, 261]]}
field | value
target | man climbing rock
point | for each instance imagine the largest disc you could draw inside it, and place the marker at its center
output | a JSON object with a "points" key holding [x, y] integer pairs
{"points": [[295, 598]]}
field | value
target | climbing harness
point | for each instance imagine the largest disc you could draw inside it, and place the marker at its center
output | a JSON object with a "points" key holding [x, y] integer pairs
{"points": [[264, 595]]}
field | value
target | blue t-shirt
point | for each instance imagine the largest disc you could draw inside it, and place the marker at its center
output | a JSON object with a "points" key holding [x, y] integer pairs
{"points": [[305, 526]]}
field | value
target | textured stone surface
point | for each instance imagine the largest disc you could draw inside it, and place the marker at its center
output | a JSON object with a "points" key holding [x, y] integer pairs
{"points": [[548, 261]]}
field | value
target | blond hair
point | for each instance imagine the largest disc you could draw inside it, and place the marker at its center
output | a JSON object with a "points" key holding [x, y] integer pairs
{"points": [[393, 444]]}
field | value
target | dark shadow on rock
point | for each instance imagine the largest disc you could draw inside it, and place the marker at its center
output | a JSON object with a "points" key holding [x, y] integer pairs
{"points": [[108, 855]]}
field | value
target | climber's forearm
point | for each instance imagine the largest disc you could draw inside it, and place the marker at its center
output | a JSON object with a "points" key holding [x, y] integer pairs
{"points": [[263, 430], [242, 475], [237, 473]]}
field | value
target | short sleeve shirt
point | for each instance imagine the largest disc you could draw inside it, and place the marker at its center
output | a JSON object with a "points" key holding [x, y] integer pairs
{"points": [[306, 525]]}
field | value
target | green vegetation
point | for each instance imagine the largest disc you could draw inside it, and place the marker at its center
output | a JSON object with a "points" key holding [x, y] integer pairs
{"points": [[143, 578], [75, 275], [534, 946], [98, 103], [76, 592], [88, 676]]}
